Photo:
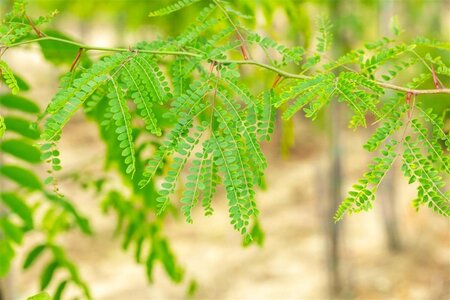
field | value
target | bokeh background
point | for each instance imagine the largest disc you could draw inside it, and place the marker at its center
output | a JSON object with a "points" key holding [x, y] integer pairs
{"points": [[391, 252]]}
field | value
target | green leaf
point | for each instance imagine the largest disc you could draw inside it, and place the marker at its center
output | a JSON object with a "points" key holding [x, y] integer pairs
{"points": [[2, 126], [256, 236], [22, 127], [23, 177], [40, 296], [168, 260], [6, 256], [11, 231], [23, 85], [122, 122], [18, 206], [266, 119], [139, 94], [47, 274], [21, 149], [33, 255], [19, 103], [8, 77], [59, 290]]}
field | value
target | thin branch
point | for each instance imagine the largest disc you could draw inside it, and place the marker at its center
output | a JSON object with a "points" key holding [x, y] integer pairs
{"points": [[265, 66], [221, 61], [107, 49], [36, 30], [413, 91], [77, 58]]}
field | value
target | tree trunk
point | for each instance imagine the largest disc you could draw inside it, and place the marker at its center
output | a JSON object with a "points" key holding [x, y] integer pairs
{"points": [[335, 192]]}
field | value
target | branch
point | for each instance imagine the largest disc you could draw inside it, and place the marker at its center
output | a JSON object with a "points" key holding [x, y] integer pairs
{"points": [[264, 66], [413, 91], [299, 76], [220, 61], [107, 49]]}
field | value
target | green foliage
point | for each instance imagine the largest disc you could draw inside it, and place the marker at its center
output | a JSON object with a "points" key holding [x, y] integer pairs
{"points": [[352, 57], [59, 262], [18, 206], [430, 184], [402, 65], [140, 86], [8, 77], [437, 125], [200, 178], [361, 94], [21, 176], [315, 91], [362, 195], [69, 99], [122, 120], [21, 126], [383, 55], [172, 8], [184, 149], [391, 124], [212, 109], [139, 231], [289, 55], [2, 126], [432, 43], [40, 296], [16, 25], [434, 149], [16, 102], [26, 204], [325, 38], [266, 120]]}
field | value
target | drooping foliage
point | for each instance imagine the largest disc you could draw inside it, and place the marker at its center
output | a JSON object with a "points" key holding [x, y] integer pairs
{"points": [[212, 110]]}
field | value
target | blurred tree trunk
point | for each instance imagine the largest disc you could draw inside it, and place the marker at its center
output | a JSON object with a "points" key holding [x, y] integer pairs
{"points": [[335, 170], [334, 194], [388, 188]]}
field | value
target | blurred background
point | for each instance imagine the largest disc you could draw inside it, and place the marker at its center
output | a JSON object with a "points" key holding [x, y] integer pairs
{"points": [[391, 252]]}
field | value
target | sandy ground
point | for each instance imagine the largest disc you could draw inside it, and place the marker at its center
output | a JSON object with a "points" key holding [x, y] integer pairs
{"points": [[291, 265]]}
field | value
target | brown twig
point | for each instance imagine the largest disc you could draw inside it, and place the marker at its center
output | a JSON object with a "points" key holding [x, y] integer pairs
{"points": [[435, 78], [38, 32], [408, 101], [77, 58], [276, 81], [242, 47]]}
